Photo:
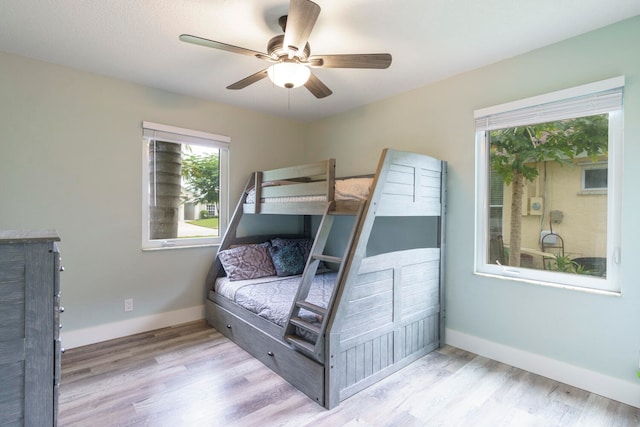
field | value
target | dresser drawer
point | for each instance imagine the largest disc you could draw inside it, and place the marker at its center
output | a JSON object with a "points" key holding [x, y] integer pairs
{"points": [[11, 393]]}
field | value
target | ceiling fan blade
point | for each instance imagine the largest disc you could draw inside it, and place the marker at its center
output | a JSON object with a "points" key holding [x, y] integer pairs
{"points": [[316, 87], [188, 38], [364, 60], [301, 18], [249, 80]]}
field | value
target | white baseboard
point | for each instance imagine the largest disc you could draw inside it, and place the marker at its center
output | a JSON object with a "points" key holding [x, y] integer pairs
{"points": [[594, 382], [123, 328]]}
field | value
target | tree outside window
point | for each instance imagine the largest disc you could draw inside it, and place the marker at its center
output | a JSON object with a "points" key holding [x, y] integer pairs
{"points": [[201, 172]]}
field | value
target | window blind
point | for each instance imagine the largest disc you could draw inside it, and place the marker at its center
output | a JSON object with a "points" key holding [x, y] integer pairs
{"points": [[496, 193], [160, 132], [588, 100]]}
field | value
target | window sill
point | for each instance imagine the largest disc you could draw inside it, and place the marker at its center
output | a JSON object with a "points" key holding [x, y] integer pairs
{"points": [[592, 192], [551, 285], [172, 247]]}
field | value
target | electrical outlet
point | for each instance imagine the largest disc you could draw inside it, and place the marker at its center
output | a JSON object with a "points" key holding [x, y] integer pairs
{"points": [[128, 304]]}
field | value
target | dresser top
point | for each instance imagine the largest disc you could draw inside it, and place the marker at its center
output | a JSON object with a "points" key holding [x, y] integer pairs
{"points": [[12, 236]]}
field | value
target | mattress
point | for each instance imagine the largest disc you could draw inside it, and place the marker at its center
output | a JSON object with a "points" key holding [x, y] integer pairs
{"points": [[271, 297], [345, 189]]}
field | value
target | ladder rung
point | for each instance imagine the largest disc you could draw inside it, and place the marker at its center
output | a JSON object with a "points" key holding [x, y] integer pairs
{"points": [[344, 213], [312, 307], [328, 258], [300, 343], [305, 325]]}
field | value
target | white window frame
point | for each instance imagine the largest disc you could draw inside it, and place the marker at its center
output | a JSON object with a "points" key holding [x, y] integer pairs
{"points": [[564, 104], [160, 132]]}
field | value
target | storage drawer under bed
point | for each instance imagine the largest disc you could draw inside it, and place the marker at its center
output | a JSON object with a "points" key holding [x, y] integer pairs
{"points": [[304, 373]]}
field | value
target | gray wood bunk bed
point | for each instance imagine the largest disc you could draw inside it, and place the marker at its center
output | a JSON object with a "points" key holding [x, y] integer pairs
{"points": [[383, 307]]}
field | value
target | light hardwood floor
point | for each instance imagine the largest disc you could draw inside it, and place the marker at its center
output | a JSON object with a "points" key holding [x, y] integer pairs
{"points": [[190, 375]]}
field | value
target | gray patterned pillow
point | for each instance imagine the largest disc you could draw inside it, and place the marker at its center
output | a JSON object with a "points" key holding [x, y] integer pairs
{"points": [[247, 261]]}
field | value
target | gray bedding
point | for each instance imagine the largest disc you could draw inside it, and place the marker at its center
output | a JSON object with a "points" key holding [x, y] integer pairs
{"points": [[271, 298]]}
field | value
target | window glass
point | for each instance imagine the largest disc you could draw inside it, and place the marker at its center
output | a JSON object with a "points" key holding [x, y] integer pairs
{"points": [[595, 178], [549, 225]]}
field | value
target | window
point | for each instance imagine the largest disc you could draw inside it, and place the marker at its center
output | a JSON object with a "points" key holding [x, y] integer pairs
{"points": [[548, 188], [184, 187], [594, 178]]}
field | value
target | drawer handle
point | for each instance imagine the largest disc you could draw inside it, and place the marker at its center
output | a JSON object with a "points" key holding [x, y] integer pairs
{"points": [[270, 353], [228, 326], [61, 309]]}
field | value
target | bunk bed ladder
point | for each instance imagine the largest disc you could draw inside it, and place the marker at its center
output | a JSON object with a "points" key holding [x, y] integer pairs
{"points": [[315, 350]]}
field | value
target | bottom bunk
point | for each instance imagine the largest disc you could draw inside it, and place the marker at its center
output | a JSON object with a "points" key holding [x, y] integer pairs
{"points": [[389, 318]]}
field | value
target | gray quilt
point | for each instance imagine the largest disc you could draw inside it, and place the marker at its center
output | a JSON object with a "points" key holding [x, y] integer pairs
{"points": [[271, 299]]}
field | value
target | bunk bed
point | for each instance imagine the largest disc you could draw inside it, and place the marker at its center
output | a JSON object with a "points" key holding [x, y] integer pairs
{"points": [[368, 298]]}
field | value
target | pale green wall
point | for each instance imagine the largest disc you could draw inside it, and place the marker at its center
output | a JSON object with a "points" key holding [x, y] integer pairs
{"points": [[70, 159], [601, 333]]}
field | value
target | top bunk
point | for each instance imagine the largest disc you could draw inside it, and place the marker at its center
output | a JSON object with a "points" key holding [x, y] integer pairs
{"points": [[404, 184]]}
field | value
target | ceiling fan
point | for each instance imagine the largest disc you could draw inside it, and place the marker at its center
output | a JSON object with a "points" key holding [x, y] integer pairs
{"points": [[290, 54]]}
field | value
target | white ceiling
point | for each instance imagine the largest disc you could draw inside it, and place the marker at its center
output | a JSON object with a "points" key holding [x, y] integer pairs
{"points": [[137, 40]]}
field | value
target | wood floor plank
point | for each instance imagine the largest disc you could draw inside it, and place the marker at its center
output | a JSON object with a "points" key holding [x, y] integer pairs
{"points": [[191, 375]]}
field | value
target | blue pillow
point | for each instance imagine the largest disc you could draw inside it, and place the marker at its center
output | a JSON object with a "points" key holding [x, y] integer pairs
{"points": [[287, 259], [303, 244]]}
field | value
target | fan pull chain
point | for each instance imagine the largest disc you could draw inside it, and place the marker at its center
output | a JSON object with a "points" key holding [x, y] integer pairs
{"points": [[288, 99]]}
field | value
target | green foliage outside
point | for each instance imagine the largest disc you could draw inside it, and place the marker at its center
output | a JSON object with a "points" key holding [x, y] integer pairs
{"points": [[566, 265], [516, 150], [201, 174], [514, 153]]}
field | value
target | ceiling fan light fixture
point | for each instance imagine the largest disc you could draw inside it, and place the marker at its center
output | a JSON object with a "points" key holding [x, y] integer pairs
{"points": [[289, 54], [288, 74]]}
